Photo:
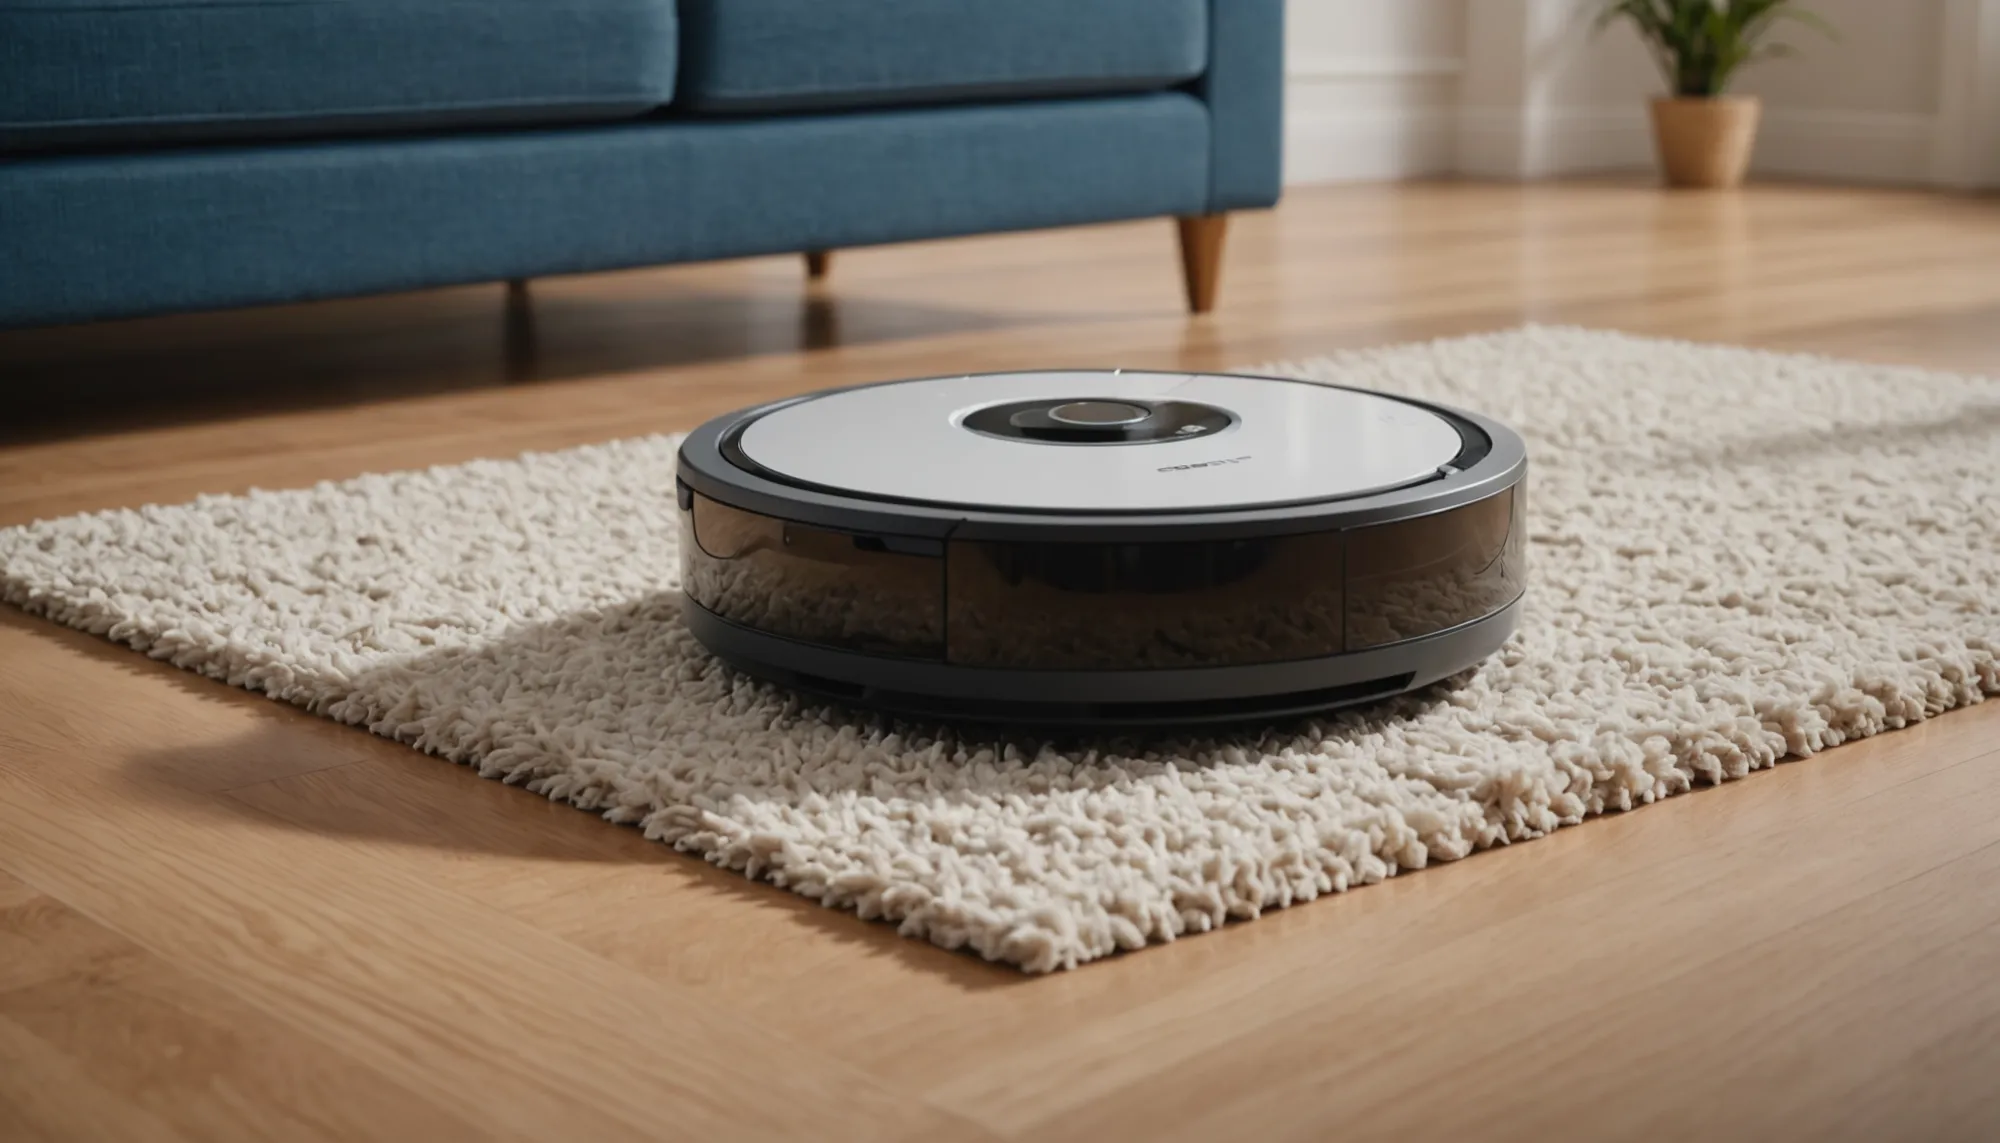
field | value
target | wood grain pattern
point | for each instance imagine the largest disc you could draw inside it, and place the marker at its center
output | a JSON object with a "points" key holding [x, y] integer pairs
{"points": [[194, 1057], [221, 918]]}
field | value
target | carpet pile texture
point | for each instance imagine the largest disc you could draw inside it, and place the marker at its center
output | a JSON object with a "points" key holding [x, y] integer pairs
{"points": [[1735, 558]]}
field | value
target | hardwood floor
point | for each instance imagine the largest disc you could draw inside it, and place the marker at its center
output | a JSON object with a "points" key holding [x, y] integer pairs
{"points": [[221, 918]]}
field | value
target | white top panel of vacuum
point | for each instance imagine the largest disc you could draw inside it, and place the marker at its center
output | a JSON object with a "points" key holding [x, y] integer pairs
{"points": [[1109, 442]]}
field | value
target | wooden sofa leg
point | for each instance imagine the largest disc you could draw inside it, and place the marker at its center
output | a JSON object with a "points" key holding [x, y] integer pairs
{"points": [[817, 262], [519, 331], [1201, 257]]}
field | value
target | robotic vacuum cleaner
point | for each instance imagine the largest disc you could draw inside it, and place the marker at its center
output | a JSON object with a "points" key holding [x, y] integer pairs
{"points": [[1102, 548]]}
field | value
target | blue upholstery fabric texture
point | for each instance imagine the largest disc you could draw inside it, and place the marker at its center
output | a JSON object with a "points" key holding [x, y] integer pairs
{"points": [[107, 72], [1244, 88], [92, 236], [793, 55]]}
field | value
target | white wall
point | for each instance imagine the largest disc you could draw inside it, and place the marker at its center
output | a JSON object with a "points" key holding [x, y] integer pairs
{"points": [[1965, 145], [1908, 93], [1372, 87]]}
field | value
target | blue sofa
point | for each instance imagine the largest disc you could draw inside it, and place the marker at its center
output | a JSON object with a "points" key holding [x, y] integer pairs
{"points": [[172, 155]]}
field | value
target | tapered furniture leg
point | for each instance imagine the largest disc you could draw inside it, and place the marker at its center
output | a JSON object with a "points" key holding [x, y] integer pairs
{"points": [[817, 262], [1201, 257], [519, 331]]}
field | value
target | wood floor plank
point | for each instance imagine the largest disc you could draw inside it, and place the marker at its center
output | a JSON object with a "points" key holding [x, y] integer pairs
{"points": [[1349, 1038], [442, 991], [296, 906], [46, 1097], [178, 1055], [1811, 1012]]}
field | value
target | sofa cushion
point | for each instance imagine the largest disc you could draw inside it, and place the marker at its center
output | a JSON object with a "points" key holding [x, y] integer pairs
{"points": [[90, 72], [796, 55], [117, 235]]}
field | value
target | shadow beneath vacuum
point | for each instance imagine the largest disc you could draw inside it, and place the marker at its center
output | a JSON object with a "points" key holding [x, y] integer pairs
{"points": [[619, 711], [515, 850], [631, 682], [297, 771]]}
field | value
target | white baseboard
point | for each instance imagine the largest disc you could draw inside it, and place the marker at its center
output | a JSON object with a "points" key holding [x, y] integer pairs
{"points": [[1372, 145], [1847, 146], [1509, 144]]}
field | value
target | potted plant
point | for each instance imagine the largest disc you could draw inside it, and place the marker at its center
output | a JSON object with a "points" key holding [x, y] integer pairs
{"points": [[1705, 136]]}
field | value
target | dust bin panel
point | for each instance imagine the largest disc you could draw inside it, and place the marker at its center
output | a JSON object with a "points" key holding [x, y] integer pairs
{"points": [[1417, 577], [820, 586], [1086, 606]]}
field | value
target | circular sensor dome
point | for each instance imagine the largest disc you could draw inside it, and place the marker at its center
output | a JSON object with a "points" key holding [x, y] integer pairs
{"points": [[1058, 421], [1098, 414], [1088, 548]]}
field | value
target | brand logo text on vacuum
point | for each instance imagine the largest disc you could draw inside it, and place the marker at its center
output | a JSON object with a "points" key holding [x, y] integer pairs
{"points": [[1204, 464]]}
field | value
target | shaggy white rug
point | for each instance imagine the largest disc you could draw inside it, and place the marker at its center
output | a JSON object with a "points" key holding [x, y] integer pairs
{"points": [[1735, 558]]}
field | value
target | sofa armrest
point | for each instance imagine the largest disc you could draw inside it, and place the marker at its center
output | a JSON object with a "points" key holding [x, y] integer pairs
{"points": [[1244, 87]]}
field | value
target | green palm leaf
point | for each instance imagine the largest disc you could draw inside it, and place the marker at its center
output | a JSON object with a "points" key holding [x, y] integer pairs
{"points": [[1699, 45]]}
